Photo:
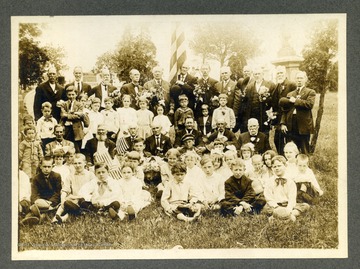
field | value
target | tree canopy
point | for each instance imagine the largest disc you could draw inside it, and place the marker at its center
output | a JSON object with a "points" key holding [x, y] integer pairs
{"points": [[320, 64], [134, 51], [225, 42], [320, 61], [33, 58]]}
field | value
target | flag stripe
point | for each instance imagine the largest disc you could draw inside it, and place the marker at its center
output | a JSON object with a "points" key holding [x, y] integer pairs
{"points": [[178, 51]]}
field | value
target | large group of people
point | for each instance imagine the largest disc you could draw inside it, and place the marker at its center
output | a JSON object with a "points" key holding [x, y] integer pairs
{"points": [[202, 144]]}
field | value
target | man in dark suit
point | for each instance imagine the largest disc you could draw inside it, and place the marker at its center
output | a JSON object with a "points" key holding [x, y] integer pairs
{"points": [[258, 139], [74, 119], [183, 83], [59, 142], [258, 99], [283, 87], [133, 88], [160, 88], [79, 86], [297, 120], [242, 85], [222, 131], [49, 91], [228, 87], [189, 129], [157, 144], [104, 89], [133, 130], [205, 90], [100, 144]]}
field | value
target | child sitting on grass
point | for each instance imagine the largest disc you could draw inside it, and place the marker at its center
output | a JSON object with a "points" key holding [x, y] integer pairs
{"points": [[211, 185], [239, 193], [180, 198], [246, 152], [267, 157], [191, 160], [290, 153], [45, 192], [259, 179], [308, 189], [280, 194], [171, 157], [103, 194], [59, 166], [70, 198], [134, 197]]}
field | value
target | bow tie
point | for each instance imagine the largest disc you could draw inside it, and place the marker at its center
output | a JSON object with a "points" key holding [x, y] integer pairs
{"points": [[280, 180], [102, 183], [48, 119]]}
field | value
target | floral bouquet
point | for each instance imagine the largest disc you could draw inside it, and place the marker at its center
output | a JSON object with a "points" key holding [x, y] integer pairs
{"points": [[271, 115], [215, 101], [200, 90], [264, 94], [151, 168]]}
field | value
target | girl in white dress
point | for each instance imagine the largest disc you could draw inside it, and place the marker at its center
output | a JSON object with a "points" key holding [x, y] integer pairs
{"points": [[162, 119], [134, 197], [127, 115]]}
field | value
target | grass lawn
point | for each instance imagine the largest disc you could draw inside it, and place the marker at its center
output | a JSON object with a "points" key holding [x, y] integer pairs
{"points": [[318, 228]]}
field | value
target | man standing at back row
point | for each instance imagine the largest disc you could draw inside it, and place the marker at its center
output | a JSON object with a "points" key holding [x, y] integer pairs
{"points": [[49, 91], [297, 120], [283, 87], [79, 86]]}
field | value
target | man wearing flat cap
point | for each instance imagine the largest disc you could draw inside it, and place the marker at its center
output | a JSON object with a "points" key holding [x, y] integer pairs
{"points": [[297, 120]]}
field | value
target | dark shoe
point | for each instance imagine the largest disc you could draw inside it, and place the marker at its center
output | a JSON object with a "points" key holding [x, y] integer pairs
{"points": [[131, 212], [30, 221], [35, 211]]}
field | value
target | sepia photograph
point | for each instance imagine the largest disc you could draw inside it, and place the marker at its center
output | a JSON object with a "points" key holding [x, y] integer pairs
{"points": [[179, 137]]}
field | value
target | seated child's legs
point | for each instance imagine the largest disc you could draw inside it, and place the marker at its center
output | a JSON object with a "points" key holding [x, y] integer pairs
{"points": [[259, 203], [42, 204], [227, 208], [300, 208]]}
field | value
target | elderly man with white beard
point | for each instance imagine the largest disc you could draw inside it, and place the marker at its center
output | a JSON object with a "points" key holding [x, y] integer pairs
{"points": [[258, 139], [100, 144]]}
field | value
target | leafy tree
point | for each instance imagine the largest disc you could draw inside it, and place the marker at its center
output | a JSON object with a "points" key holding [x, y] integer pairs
{"points": [[224, 41], [320, 65], [56, 56], [32, 57], [134, 51]]}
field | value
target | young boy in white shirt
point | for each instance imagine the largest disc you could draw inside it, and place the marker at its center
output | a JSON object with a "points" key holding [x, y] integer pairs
{"points": [[308, 189], [280, 194], [180, 197]]}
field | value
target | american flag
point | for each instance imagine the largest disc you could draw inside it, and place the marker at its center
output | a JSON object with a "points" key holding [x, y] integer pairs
{"points": [[178, 51], [121, 145], [114, 169]]}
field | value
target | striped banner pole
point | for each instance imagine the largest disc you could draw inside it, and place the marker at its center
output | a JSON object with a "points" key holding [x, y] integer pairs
{"points": [[178, 52]]}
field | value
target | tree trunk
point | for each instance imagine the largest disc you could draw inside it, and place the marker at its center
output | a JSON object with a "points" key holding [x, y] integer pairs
{"points": [[318, 121]]}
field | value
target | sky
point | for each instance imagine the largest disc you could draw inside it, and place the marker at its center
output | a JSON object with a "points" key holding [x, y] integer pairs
{"points": [[84, 38]]}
